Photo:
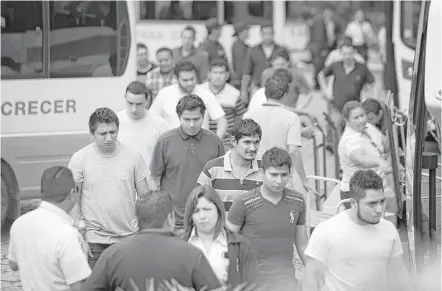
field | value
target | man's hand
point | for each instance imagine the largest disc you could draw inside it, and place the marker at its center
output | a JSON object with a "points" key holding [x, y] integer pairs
{"points": [[308, 132], [244, 97]]}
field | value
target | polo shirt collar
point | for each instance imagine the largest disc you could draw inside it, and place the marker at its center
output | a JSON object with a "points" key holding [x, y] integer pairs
{"points": [[185, 136], [228, 163], [58, 211], [221, 239]]}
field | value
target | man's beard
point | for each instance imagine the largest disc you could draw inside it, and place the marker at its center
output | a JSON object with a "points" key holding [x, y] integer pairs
{"points": [[364, 220]]}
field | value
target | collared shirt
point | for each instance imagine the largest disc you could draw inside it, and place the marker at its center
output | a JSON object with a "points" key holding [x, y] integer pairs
{"points": [[49, 250], [351, 140], [218, 173], [258, 99], [232, 105], [179, 159], [141, 134], [198, 57], [108, 191], [156, 81], [217, 255], [347, 86], [167, 99], [280, 126], [169, 257], [239, 52]]}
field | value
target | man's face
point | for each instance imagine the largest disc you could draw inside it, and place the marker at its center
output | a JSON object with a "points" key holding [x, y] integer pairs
{"points": [[373, 118], [359, 16], [275, 179], [218, 76], [187, 81], [244, 35], [371, 207], [347, 53], [165, 61], [357, 119], [192, 121], [247, 146], [328, 15], [135, 105], [267, 35], [280, 63], [105, 136], [187, 39], [142, 56]]}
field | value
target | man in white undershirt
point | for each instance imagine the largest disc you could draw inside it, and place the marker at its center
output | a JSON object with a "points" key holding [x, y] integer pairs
{"points": [[140, 128], [357, 249]]}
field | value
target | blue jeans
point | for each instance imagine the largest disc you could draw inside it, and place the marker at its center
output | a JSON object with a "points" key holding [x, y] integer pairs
{"points": [[96, 250]]}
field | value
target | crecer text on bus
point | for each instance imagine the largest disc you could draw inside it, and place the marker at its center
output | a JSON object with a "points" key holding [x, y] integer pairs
{"points": [[36, 107]]}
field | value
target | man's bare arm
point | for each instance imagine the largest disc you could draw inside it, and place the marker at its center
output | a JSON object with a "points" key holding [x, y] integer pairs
{"points": [[301, 241], [221, 126], [142, 186], [154, 182], [232, 227], [298, 164]]}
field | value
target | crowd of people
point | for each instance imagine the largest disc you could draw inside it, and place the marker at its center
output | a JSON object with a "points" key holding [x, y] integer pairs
{"points": [[190, 189]]}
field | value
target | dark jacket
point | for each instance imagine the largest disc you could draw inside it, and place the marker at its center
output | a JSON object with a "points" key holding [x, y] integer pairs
{"points": [[318, 34], [243, 266]]}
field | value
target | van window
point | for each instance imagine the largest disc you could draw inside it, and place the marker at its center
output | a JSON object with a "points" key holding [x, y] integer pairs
{"points": [[178, 10], [261, 9], [22, 37]]}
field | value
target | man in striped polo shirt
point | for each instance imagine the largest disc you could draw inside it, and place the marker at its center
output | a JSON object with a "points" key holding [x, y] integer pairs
{"points": [[237, 171], [227, 96]]}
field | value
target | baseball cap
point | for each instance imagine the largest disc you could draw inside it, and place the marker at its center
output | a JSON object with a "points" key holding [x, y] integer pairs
{"points": [[56, 183]]}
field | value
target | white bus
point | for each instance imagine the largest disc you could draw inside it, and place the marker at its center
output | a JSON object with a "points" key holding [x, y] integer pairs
{"points": [[60, 61]]}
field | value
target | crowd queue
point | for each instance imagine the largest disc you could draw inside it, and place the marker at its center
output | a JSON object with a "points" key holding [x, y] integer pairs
{"points": [[188, 188]]}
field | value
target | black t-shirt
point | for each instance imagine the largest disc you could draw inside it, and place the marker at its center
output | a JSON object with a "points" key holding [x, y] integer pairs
{"points": [[151, 254]]}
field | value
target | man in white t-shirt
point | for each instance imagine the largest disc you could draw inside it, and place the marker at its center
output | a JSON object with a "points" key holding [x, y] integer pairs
{"points": [[110, 175], [45, 247], [140, 128], [357, 249], [167, 99]]}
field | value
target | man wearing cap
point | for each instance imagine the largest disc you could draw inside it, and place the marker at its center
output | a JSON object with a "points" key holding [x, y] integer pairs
{"points": [[257, 60], [239, 52], [45, 246], [211, 45]]}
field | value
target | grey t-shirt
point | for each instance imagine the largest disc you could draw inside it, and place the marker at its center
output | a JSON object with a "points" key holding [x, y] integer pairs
{"points": [[108, 193]]}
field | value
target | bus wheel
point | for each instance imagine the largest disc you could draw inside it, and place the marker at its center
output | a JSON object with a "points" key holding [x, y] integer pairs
{"points": [[4, 201]]}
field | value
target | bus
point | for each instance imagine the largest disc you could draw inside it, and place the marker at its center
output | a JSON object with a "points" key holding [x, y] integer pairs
{"points": [[60, 61], [424, 116], [159, 23]]}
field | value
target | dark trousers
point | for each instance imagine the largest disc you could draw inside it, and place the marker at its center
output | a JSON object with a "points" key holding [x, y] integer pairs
{"points": [[96, 250], [346, 195]]}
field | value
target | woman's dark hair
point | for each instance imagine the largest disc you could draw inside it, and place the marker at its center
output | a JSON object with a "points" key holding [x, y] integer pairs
{"points": [[372, 105]]}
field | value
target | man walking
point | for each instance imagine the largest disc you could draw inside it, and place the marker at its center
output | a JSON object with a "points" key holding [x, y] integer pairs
{"points": [[45, 247], [227, 96], [153, 255], [140, 128], [168, 97], [239, 52], [211, 45], [272, 217], [181, 153], [238, 171], [357, 249], [110, 175], [164, 74]]}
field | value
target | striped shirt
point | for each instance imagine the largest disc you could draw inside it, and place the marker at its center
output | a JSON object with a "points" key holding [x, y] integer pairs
{"points": [[232, 105], [218, 174]]}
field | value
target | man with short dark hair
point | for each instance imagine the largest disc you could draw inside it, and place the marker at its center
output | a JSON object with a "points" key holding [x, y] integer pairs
{"points": [[238, 171], [144, 66], [109, 174], [188, 52], [357, 249], [153, 254], [227, 96], [257, 60], [272, 218], [44, 246], [167, 99], [164, 74], [181, 153], [281, 127], [139, 128], [211, 45]]}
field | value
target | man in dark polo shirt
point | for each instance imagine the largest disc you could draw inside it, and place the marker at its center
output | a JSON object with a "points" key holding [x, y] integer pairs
{"points": [[350, 78], [272, 218], [211, 45], [153, 254], [180, 154], [257, 60], [239, 51]]}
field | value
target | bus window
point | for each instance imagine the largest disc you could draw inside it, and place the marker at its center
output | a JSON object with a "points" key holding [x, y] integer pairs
{"points": [[261, 9], [178, 10], [22, 39], [84, 39], [410, 11]]}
